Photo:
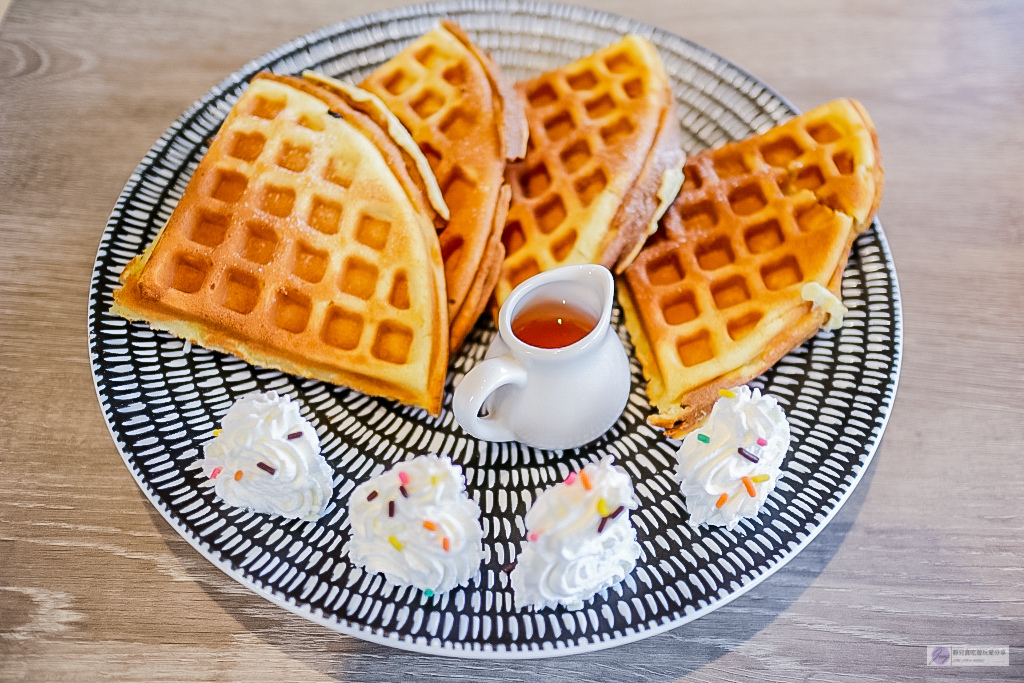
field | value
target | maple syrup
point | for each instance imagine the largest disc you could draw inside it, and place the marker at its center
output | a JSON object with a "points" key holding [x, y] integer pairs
{"points": [[552, 324]]}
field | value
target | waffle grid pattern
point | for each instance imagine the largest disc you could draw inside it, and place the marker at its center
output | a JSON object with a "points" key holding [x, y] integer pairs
{"points": [[755, 221], [267, 251], [582, 118], [162, 399], [442, 94]]}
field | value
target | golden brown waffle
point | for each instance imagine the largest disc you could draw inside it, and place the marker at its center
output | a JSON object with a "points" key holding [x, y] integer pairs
{"points": [[602, 133], [468, 121], [302, 243], [714, 299]]}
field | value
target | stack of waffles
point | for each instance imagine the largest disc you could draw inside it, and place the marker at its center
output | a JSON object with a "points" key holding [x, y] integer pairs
{"points": [[306, 239], [717, 295], [603, 133], [468, 121], [354, 235], [304, 242]]}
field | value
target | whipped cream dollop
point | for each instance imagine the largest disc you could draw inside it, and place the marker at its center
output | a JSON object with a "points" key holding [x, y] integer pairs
{"points": [[579, 539], [266, 458], [728, 466], [416, 525], [818, 295]]}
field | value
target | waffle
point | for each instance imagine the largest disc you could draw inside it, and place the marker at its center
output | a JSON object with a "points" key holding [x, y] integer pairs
{"points": [[602, 133], [302, 243], [468, 121], [714, 299]]}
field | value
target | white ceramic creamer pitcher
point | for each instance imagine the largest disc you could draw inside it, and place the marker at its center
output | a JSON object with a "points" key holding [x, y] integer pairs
{"points": [[553, 398]]}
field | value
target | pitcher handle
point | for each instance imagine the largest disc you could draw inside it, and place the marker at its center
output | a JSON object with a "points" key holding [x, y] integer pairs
{"points": [[478, 384]]}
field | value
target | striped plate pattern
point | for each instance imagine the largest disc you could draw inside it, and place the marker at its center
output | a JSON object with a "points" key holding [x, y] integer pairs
{"points": [[163, 398]]}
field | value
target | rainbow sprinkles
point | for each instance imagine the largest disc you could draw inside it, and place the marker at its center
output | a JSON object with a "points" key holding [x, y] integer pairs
{"points": [[580, 541], [416, 525], [274, 456], [727, 469]]}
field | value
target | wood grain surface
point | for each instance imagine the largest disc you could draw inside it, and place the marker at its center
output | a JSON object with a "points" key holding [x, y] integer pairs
{"points": [[929, 550]]}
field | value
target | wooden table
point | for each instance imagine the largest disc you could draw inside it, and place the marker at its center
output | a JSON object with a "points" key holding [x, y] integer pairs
{"points": [[94, 585]]}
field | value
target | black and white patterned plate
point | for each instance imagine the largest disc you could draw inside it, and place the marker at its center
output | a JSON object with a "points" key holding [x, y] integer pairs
{"points": [[163, 398]]}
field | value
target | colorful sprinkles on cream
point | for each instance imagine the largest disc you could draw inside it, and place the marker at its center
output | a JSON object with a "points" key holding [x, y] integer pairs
{"points": [[427, 534], [579, 540], [273, 456], [728, 474]]}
